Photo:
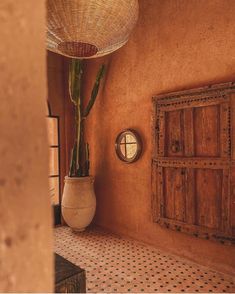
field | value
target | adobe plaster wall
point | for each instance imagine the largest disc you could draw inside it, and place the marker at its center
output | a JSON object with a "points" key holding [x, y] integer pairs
{"points": [[176, 45], [26, 260]]}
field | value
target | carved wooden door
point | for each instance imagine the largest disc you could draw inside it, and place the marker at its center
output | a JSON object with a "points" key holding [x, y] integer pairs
{"points": [[192, 163]]}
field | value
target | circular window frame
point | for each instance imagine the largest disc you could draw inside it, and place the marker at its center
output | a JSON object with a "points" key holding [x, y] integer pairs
{"points": [[119, 138]]}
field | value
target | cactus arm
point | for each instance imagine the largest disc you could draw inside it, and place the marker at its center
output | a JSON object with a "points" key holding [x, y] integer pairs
{"points": [[72, 161], [78, 132], [95, 91], [72, 78], [76, 90], [87, 162]]}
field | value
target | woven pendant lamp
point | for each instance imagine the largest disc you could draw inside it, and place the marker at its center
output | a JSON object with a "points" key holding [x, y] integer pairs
{"points": [[89, 28]]}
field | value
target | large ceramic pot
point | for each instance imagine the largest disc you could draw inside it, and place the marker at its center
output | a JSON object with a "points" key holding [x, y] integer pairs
{"points": [[78, 202]]}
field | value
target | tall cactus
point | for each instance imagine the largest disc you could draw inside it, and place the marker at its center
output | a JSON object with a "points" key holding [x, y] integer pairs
{"points": [[79, 164]]}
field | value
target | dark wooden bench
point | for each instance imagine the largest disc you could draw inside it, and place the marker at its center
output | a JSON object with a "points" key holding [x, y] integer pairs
{"points": [[69, 278]]}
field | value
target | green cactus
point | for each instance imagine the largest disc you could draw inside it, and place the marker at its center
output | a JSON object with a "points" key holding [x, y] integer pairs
{"points": [[79, 163]]}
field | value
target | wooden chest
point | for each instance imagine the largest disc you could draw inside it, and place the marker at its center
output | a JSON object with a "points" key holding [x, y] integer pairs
{"points": [[69, 278]]}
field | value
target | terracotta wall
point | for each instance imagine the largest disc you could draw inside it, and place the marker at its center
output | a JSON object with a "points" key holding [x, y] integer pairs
{"points": [[177, 44], [26, 259]]}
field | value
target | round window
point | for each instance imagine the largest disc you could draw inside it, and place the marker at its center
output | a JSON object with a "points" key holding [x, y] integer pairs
{"points": [[128, 146]]}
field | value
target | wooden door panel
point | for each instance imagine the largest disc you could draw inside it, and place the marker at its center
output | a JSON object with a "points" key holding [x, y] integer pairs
{"points": [[193, 196], [169, 192], [208, 186], [192, 162], [196, 198], [206, 131], [174, 146], [190, 203], [232, 185], [174, 193], [233, 200], [189, 149]]}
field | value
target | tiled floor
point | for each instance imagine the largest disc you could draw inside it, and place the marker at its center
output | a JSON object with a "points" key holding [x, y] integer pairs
{"points": [[116, 264]]}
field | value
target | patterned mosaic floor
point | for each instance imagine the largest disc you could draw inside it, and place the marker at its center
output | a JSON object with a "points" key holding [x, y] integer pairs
{"points": [[116, 264]]}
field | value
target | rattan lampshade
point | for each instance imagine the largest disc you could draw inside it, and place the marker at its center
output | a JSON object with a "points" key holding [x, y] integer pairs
{"points": [[89, 28]]}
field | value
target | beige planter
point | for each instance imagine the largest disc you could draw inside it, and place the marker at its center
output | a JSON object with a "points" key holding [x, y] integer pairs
{"points": [[78, 202]]}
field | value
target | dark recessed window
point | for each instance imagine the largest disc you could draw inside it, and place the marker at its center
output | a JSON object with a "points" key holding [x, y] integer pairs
{"points": [[54, 173]]}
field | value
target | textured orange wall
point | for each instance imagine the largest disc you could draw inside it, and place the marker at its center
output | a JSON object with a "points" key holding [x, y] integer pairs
{"points": [[177, 44], [26, 259]]}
